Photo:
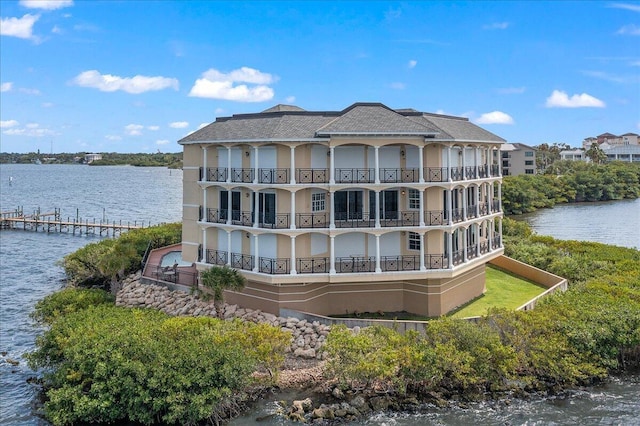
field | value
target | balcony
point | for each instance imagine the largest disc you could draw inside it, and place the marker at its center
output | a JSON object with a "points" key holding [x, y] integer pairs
{"points": [[321, 176], [246, 218], [273, 266], [312, 220], [313, 265]]}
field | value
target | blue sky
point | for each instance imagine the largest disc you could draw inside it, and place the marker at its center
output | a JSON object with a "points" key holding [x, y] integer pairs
{"points": [[136, 76]]}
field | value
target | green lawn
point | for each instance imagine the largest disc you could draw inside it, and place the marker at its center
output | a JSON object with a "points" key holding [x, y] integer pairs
{"points": [[503, 290]]}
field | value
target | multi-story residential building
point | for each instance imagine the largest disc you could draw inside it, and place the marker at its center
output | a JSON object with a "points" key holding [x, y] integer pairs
{"points": [[608, 140], [517, 159], [366, 209], [573, 155]]}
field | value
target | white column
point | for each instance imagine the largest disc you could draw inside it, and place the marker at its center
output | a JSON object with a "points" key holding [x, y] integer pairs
{"points": [[292, 180], [229, 248], [490, 198], [332, 254], [204, 244], [450, 253], [204, 163], [377, 164], [465, 202], [449, 164], [332, 211], [500, 232], [490, 234], [449, 206], [477, 162], [256, 255], [332, 172], [229, 165], [205, 217], [293, 271], [378, 268], [421, 163], [477, 233], [464, 245], [292, 224], [377, 212], [256, 209], [500, 195], [422, 207], [422, 266], [255, 165], [463, 164]]}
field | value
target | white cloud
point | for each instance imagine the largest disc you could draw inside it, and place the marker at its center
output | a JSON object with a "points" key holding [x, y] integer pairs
{"points": [[626, 6], [635, 64], [153, 128], [633, 79], [512, 90], [5, 87], [412, 63], [31, 130], [629, 30], [18, 27], [560, 99], [217, 85], [133, 129], [162, 142], [496, 26], [495, 117], [47, 105], [113, 137], [5, 124], [134, 85], [179, 124], [203, 125], [397, 85], [46, 4], [29, 91], [290, 99], [56, 30], [219, 110]]}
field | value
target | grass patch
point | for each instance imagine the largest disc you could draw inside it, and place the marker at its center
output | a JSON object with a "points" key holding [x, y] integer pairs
{"points": [[503, 290]]}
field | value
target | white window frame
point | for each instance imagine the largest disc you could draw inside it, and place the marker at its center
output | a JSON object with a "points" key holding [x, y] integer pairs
{"points": [[413, 199], [413, 241], [318, 201]]}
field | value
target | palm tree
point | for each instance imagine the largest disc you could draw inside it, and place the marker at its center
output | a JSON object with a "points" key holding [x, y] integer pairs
{"points": [[221, 278]]}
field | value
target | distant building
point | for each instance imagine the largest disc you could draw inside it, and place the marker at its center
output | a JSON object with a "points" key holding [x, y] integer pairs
{"points": [[573, 155], [90, 158], [608, 140], [628, 153], [517, 159]]}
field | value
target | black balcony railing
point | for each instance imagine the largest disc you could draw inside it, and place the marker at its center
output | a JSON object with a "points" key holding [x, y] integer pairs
{"points": [[435, 261], [312, 176], [471, 251], [495, 241], [354, 175], [495, 206], [435, 174], [241, 218], [470, 172], [354, 220], [399, 175], [273, 266], [217, 215], [400, 263], [216, 257], [242, 175], [457, 173], [312, 220], [242, 261], [274, 221], [484, 209], [313, 265], [273, 175], [483, 171], [408, 218], [434, 217], [471, 211], [484, 247], [352, 264], [495, 170], [217, 174], [456, 215], [458, 257]]}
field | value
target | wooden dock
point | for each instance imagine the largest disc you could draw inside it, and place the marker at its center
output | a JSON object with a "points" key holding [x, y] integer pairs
{"points": [[53, 222]]}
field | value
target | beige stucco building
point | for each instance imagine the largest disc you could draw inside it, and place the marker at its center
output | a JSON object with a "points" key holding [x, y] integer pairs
{"points": [[366, 209]]}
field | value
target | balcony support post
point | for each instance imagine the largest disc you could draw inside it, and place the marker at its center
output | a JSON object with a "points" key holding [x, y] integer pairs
{"points": [[421, 164], [229, 167], [463, 163], [332, 255], [293, 271], [332, 171], [490, 232], [332, 212], [204, 164], [378, 268], [256, 170], [292, 223], [256, 209], [376, 150], [422, 266], [450, 172], [256, 266], [421, 213], [449, 206], [229, 206], [450, 251], [500, 231], [464, 245], [377, 212], [204, 242], [228, 248], [292, 166]]}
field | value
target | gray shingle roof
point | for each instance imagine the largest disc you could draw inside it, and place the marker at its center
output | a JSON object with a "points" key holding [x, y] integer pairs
{"points": [[288, 122]]}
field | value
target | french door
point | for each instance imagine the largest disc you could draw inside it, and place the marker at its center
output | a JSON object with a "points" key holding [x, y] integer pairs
{"points": [[266, 208], [348, 205], [235, 205]]}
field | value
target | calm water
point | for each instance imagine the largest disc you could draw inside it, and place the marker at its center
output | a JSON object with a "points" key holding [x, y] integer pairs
{"points": [[29, 271]]}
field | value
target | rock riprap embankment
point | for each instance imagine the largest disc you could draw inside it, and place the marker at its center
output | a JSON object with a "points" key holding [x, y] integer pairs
{"points": [[306, 337]]}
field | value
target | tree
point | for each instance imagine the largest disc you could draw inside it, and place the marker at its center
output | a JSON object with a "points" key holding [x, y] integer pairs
{"points": [[221, 278], [596, 154]]}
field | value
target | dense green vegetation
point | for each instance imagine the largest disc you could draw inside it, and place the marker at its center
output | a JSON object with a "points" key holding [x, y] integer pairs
{"points": [[103, 263], [570, 181], [570, 338], [171, 160], [107, 364]]}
